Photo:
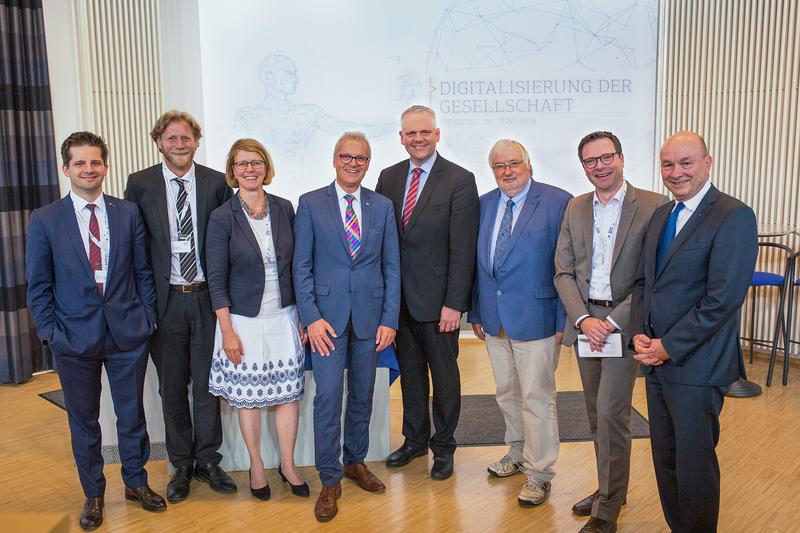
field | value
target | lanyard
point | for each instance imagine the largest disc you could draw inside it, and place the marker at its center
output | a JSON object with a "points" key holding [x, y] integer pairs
{"points": [[188, 187], [609, 237], [263, 242], [104, 242]]}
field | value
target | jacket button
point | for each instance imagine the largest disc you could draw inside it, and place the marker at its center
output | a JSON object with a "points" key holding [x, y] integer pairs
{"points": [[499, 293], [279, 258], [166, 278], [655, 290]]}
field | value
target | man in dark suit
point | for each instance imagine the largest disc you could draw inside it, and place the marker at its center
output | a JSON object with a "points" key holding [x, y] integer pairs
{"points": [[437, 210], [596, 262], [176, 198], [90, 291], [516, 311], [346, 271], [697, 263]]}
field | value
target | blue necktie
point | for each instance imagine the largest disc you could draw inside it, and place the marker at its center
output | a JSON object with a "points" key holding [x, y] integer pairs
{"points": [[503, 235], [668, 234]]}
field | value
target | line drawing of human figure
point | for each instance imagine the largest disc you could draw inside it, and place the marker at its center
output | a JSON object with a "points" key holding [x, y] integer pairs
{"points": [[286, 125]]}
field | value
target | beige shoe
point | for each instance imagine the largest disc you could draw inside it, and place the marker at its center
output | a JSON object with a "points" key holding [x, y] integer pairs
{"points": [[505, 467], [534, 492]]}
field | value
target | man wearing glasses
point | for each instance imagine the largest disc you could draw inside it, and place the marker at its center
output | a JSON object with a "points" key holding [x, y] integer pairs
{"points": [[346, 271], [517, 313], [596, 261], [176, 198]]}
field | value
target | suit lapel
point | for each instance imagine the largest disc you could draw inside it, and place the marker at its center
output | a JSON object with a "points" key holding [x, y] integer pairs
{"points": [[157, 176], [70, 223], [657, 224], [276, 221], [201, 201], [625, 221], [528, 208], [587, 226], [113, 231], [690, 226], [336, 216], [367, 219], [487, 228], [241, 220]]}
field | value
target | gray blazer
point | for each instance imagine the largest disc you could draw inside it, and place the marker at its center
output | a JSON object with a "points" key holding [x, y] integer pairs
{"points": [[574, 256], [234, 264]]}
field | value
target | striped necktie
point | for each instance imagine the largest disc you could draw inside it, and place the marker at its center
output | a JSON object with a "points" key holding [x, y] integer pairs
{"points": [[411, 197], [185, 230], [95, 258], [351, 228]]}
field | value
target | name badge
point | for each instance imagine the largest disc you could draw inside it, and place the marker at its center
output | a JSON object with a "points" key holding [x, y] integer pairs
{"points": [[181, 246], [100, 276]]}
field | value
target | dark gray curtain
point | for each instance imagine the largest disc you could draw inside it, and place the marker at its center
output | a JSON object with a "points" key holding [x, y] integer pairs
{"points": [[28, 176]]}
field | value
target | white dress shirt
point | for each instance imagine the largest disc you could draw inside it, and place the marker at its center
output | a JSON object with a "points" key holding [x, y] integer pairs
{"points": [[189, 181], [341, 193], [84, 215], [690, 206], [426, 167]]}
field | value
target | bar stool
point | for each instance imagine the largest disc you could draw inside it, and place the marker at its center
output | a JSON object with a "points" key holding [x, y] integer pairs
{"points": [[769, 279], [791, 270]]}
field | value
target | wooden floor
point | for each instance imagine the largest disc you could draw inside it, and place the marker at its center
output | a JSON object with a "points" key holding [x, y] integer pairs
{"points": [[759, 454]]}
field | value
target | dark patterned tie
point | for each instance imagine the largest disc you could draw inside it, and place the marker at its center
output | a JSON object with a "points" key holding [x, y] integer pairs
{"points": [[185, 229], [95, 256], [503, 235]]}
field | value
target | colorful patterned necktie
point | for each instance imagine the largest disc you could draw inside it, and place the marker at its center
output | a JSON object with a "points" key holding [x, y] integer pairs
{"points": [[351, 228], [411, 197], [185, 229], [503, 235], [95, 257], [668, 235]]}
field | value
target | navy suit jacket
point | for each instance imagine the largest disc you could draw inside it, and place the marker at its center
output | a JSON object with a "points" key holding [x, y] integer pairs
{"points": [[70, 314], [692, 302], [235, 267], [328, 283], [522, 299]]}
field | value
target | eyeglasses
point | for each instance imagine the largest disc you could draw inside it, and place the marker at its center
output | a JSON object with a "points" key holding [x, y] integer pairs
{"points": [[501, 167], [606, 159], [255, 163], [360, 160]]}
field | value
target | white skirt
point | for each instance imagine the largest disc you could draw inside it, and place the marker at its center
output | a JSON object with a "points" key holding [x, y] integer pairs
{"points": [[272, 370]]}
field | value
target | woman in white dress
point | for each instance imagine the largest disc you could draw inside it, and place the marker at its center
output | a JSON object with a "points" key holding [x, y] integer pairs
{"points": [[258, 357]]}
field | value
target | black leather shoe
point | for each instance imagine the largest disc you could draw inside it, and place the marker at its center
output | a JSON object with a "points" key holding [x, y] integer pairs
{"points": [[178, 487], [442, 467], [92, 513], [404, 455], [216, 478], [149, 500], [297, 490], [263, 493], [597, 525], [584, 507]]}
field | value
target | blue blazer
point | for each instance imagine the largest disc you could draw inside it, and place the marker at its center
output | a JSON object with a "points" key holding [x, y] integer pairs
{"points": [[328, 283], [234, 265], [522, 299], [692, 303], [70, 314]]}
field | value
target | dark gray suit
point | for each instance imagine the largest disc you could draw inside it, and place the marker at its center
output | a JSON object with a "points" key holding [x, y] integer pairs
{"points": [[607, 382], [182, 345], [691, 303]]}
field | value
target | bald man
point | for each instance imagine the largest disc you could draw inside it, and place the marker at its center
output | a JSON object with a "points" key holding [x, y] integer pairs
{"points": [[697, 263]]}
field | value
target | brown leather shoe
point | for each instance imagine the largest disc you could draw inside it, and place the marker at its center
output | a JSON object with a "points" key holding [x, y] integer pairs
{"points": [[92, 513], [365, 479], [325, 508], [144, 495]]}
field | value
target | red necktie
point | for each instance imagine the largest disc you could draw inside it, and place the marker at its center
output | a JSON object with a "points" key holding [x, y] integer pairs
{"points": [[411, 197], [95, 259]]}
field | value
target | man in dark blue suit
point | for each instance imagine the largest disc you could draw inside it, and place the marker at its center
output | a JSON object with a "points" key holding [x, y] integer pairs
{"points": [[91, 293], [697, 263], [346, 272], [516, 310]]}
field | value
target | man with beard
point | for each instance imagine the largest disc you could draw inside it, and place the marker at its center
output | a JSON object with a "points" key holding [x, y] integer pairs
{"points": [[176, 198]]}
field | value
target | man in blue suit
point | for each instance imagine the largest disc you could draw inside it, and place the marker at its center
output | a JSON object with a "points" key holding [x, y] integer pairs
{"points": [[517, 312], [346, 271], [91, 293], [697, 262]]}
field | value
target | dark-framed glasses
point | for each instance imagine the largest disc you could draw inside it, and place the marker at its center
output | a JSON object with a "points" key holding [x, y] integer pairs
{"points": [[360, 160], [257, 164], [501, 167], [606, 159]]}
